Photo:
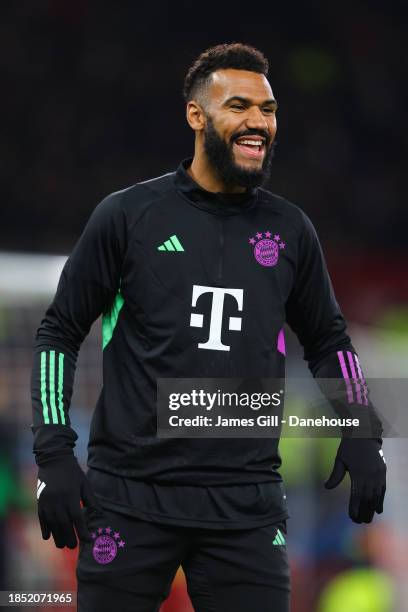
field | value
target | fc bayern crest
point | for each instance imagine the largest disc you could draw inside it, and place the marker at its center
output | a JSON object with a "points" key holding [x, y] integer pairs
{"points": [[106, 545], [266, 248]]}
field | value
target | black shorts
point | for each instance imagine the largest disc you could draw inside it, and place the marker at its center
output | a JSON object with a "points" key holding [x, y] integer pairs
{"points": [[131, 563]]}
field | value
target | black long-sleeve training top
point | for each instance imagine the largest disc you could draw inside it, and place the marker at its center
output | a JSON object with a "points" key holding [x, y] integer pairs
{"points": [[189, 284]]}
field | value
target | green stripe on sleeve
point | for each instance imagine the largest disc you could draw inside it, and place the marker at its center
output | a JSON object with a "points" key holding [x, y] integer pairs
{"points": [[110, 319], [44, 386], [52, 388], [61, 386]]}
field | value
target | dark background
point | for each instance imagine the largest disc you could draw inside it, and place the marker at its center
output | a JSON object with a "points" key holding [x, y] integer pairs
{"points": [[92, 103]]}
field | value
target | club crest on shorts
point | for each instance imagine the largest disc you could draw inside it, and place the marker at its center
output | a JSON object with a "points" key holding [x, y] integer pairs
{"points": [[266, 248], [106, 545]]}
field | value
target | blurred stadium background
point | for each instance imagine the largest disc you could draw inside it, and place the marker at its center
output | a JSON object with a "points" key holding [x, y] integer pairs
{"points": [[92, 103]]}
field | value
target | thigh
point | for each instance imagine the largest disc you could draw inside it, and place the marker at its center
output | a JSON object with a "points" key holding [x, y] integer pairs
{"points": [[239, 570], [129, 565]]}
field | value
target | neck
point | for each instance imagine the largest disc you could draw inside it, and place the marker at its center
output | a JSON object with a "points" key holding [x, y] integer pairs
{"points": [[202, 172]]}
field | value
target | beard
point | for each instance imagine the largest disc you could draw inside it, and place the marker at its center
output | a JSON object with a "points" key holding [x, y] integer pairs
{"points": [[221, 157]]}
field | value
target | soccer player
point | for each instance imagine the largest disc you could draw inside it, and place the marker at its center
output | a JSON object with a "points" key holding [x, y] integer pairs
{"points": [[195, 273]]}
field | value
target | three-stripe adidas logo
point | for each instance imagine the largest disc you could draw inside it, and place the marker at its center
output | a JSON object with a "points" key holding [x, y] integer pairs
{"points": [[356, 386], [279, 539], [172, 244], [52, 387], [40, 487]]}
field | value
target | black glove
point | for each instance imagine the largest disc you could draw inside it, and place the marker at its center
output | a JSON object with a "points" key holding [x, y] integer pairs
{"points": [[60, 487], [364, 460]]}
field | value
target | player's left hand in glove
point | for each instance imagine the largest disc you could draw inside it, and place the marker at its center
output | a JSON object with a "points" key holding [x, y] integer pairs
{"points": [[364, 460], [61, 486]]}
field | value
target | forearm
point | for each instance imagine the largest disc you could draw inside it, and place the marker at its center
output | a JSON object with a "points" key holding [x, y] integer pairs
{"points": [[51, 391], [340, 378]]}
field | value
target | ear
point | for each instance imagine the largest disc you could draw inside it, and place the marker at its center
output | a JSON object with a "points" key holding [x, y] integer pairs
{"points": [[195, 115]]}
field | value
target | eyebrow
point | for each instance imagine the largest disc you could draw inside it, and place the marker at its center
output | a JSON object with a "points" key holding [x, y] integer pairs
{"points": [[246, 101]]}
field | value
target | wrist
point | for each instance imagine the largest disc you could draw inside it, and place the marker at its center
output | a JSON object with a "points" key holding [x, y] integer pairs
{"points": [[52, 441], [46, 458]]}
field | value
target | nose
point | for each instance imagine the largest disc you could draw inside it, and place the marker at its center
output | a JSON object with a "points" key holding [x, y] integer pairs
{"points": [[256, 120]]}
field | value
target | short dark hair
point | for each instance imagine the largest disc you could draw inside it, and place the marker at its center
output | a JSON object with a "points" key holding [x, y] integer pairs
{"points": [[231, 55]]}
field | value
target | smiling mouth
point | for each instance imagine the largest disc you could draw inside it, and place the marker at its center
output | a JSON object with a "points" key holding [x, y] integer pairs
{"points": [[253, 148]]}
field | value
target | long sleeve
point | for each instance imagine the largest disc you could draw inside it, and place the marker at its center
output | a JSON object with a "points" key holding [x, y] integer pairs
{"points": [[89, 282], [314, 315]]}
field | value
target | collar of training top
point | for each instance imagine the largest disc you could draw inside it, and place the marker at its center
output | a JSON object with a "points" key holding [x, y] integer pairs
{"points": [[219, 203]]}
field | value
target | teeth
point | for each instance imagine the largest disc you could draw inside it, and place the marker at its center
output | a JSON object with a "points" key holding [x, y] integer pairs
{"points": [[255, 143]]}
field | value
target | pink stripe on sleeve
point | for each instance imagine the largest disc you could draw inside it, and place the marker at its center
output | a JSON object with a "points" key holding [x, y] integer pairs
{"points": [[281, 342], [345, 376], [354, 375], [360, 373]]}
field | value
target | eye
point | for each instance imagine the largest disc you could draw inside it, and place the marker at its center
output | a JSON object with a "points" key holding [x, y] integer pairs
{"points": [[269, 110], [237, 106]]}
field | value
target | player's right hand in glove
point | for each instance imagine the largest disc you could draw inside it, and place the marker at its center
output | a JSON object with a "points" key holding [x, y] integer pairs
{"points": [[364, 460], [61, 486]]}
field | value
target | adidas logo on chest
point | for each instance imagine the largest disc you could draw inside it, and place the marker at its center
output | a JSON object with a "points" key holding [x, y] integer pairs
{"points": [[172, 244]]}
